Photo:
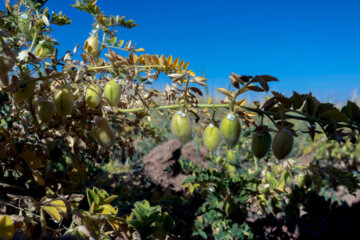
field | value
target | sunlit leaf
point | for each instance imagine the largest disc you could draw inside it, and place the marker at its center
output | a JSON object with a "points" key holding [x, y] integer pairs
{"points": [[56, 209], [7, 227]]}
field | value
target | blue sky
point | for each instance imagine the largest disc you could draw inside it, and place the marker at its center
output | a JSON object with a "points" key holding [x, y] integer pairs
{"points": [[309, 45]]}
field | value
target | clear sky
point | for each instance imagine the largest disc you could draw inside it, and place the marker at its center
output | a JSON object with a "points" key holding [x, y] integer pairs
{"points": [[309, 45]]}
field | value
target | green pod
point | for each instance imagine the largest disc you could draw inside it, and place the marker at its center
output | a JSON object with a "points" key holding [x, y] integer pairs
{"points": [[282, 143], [181, 127], [92, 46], [44, 49], [64, 101], [211, 136], [112, 92], [93, 96], [260, 144], [230, 129], [45, 110], [25, 89], [304, 180], [103, 133]]}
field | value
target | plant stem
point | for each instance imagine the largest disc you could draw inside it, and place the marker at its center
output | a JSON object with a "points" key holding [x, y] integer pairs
{"points": [[238, 92], [32, 111], [255, 162], [186, 91], [256, 110]]}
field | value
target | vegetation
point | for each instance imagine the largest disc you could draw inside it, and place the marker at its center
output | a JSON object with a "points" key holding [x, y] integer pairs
{"points": [[74, 128]]}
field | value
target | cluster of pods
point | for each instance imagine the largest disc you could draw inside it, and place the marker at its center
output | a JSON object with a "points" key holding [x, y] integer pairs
{"points": [[229, 132]]}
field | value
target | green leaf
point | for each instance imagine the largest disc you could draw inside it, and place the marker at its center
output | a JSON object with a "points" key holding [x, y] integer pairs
{"points": [[203, 234], [59, 19], [92, 197], [110, 199]]}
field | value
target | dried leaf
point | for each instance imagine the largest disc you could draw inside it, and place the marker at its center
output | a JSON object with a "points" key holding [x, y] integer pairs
{"points": [[241, 102], [255, 88], [262, 82], [225, 92], [269, 78], [196, 90], [234, 82]]}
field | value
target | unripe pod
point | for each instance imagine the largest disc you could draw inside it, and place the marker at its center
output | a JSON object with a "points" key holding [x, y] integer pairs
{"points": [[93, 96], [304, 180], [103, 133], [230, 129], [282, 143], [7, 61], [92, 46], [44, 49], [112, 92], [24, 91], [45, 110], [181, 127], [260, 144], [64, 101], [24, 26], [211, 136]]}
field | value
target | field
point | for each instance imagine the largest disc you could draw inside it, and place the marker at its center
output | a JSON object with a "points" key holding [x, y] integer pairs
{"points": [[90, 149]]}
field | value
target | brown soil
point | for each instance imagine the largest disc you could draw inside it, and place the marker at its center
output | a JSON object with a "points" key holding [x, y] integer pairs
{"points": [[161, 163]]}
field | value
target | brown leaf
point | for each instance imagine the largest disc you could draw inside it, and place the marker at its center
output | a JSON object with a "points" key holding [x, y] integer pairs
{"points": [[196, 90], [234, 82], [262, 82], [269, 78], [268, 104], [255, 88], [246, 78], [237, 78]]}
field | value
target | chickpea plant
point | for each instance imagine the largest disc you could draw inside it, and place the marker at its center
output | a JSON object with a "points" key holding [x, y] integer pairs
{"points": [[62, 114]]}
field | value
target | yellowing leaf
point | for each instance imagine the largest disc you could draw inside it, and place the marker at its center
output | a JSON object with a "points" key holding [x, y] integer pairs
{"points": [[175, 63], [169, 60], [56, 209], [7, 228], [241, 102], [107, 209], [180, 64], [186, 66], [139, 50], [191, 73], [251, 114], [209, 100], [114, 224]]}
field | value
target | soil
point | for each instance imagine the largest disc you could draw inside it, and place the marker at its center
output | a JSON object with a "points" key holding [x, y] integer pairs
{"points": [[162, 166]]}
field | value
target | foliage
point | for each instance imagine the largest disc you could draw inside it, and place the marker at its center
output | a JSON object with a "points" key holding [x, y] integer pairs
{"points": [[69, 159]]}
